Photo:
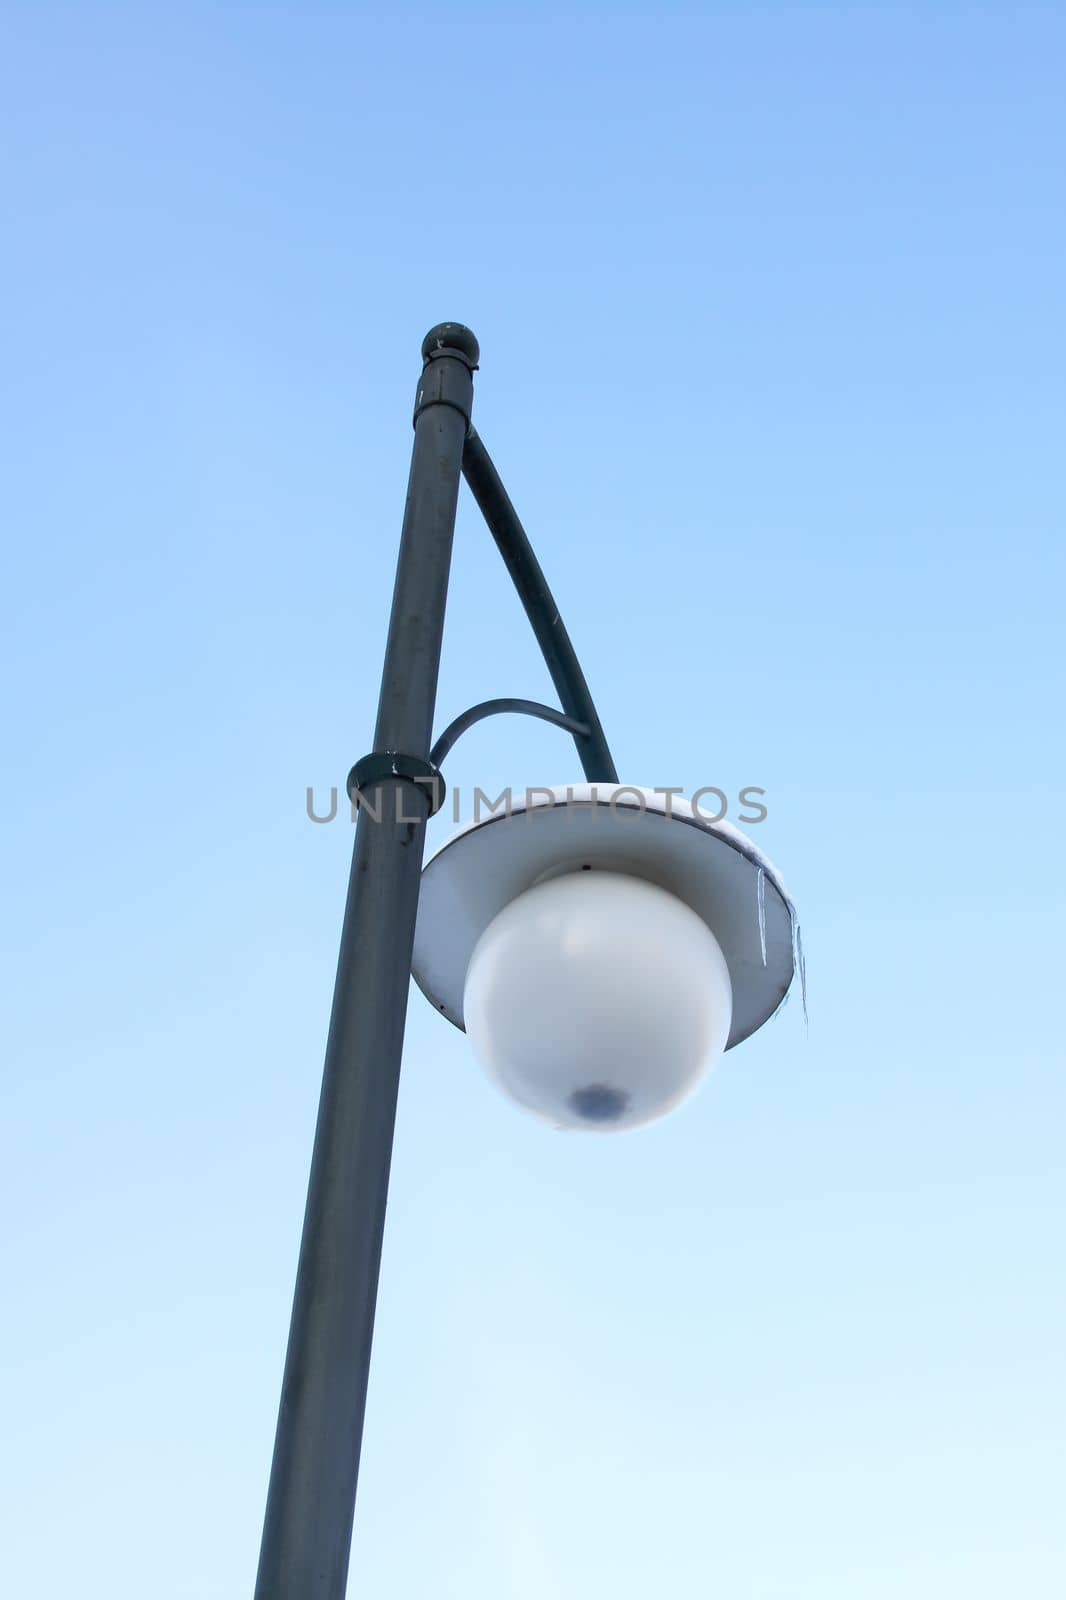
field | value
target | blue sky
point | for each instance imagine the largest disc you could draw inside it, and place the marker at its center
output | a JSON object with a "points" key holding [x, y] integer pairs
{"points": [[770, 306]]}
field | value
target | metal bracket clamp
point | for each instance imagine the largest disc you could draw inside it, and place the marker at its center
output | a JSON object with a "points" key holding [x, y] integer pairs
{"points": [[382, 764]]}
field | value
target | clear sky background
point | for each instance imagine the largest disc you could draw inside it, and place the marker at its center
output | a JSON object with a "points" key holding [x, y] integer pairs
{"points": [[773, 337]]}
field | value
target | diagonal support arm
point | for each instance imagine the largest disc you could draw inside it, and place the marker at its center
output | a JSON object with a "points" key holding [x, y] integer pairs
{"points": [[559, 654]]}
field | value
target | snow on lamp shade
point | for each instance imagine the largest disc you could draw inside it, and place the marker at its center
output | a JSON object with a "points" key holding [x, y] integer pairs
{"points": [[597, 1000]]}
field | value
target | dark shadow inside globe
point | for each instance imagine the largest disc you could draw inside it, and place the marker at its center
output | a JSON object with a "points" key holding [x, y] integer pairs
{"points": [[599, 1103]]}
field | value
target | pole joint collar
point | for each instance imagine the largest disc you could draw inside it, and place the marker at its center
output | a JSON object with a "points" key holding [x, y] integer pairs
{"points": [[382, 764], [447, 380]]}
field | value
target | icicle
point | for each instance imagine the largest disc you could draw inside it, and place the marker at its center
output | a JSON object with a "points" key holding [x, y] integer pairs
{"points": [[799, 964], [760, 896]]}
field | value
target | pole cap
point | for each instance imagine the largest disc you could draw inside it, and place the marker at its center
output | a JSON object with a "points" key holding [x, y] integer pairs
{"points": [[451, 337]]}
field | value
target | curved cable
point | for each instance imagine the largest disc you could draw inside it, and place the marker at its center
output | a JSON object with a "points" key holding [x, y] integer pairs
{"points": [[489, 708]]}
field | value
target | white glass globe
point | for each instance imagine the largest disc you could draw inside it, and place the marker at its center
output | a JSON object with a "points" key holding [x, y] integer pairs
{"points": [[597, 1000]]}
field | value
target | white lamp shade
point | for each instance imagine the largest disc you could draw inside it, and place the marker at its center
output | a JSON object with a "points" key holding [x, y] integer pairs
{"points": [[597, 1000], [713, 868]]}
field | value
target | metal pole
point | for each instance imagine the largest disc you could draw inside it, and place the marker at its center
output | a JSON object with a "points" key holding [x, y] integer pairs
{"points": [[311, 1500]]}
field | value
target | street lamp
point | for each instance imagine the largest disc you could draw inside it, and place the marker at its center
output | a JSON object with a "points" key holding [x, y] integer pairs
{"points": [[601, 946]]}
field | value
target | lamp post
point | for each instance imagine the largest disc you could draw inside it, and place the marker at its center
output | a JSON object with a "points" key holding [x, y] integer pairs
{"points": [[494, 906]]}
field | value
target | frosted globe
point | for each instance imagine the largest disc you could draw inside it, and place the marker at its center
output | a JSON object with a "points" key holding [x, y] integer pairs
{"points": [[597, 1000]]}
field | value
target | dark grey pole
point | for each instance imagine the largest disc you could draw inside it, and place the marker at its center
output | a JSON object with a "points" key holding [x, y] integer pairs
{"points": [[311, 1500]]}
